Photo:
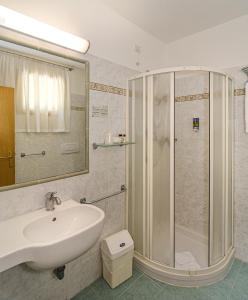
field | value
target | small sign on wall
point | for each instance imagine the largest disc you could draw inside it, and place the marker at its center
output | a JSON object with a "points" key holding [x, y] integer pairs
{"points": [[100, 111]]}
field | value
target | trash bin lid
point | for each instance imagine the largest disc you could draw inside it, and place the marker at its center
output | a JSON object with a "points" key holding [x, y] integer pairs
{"points": [[117, 244]]}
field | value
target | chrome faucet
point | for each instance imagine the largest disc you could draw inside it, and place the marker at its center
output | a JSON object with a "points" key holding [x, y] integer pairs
{"points": [[51, 200]]}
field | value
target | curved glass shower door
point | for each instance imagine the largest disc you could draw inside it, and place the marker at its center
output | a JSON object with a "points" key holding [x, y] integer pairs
{"points": [[137, 177], [160, 99], [180, 197]]}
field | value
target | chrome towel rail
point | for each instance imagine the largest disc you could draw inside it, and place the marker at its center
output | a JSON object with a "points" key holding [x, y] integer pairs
{"points": [[122, 190], [32, 154]]}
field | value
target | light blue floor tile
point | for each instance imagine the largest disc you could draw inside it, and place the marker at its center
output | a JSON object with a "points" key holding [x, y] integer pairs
{"points": [[240, 289], [86, 294], [231, 277], [104, 291], [190, 293], [143, 288], [216, 292], [167, 292], [239, 292]]}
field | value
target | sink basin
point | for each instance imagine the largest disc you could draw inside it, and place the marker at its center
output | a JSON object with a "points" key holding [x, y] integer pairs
{"points": [[59, 224], [48, 239]]}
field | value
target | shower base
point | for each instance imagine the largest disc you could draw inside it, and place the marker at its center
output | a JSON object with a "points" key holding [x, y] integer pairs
{"points": [[185, 278], [191, 249], [186, 261]]}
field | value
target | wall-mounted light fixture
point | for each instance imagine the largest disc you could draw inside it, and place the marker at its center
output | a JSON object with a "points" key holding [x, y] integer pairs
{"points": [[11, 19]]}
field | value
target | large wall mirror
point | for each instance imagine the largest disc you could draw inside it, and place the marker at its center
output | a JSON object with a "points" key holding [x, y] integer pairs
{"points": [[43, 116]]}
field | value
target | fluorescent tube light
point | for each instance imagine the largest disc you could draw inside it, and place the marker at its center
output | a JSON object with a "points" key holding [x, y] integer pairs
{"points": [[13, 20]]}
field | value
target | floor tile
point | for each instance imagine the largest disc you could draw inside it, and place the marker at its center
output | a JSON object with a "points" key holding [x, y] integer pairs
{"points": [[104, 291], [223, 289], [178, 293], [191, 293], [86, 294], [240, 289], [143, 288], [216, 292], [167, 292], [231, 277]]}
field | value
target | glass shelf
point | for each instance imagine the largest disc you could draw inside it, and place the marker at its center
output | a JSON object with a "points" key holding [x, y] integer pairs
{"points": [[95, 145]]}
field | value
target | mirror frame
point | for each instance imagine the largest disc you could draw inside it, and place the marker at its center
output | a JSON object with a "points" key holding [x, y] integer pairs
{"points": [[47, 50]]}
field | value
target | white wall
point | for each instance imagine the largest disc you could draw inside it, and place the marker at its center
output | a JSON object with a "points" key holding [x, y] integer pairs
{"points": [[107, 173], [112, 37], [223, 46]]}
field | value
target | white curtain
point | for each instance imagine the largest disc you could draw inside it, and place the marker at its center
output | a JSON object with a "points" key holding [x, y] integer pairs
{"points": [[7, 70], [42, 96]]}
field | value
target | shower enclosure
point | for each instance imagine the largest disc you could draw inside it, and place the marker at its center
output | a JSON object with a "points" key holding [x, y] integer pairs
{"points": [[180, 197]]}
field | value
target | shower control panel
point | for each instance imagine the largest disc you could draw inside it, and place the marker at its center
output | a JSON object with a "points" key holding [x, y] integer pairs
{"points": [[196, 124]]}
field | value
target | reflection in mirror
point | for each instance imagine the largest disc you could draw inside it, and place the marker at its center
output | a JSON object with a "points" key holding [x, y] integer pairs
{"points": [[43, 118]]}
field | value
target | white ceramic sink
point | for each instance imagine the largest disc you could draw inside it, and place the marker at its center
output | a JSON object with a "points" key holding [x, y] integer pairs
{"points": [[48, 239]]}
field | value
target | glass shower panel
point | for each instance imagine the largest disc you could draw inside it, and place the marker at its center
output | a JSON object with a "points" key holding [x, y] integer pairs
{"points": [[229, 164], [191, 169], [217, 144], [161, 153], [136, 163]]}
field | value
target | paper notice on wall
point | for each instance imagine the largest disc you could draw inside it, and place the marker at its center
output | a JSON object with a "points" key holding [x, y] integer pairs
{"points": [[100, 111]]}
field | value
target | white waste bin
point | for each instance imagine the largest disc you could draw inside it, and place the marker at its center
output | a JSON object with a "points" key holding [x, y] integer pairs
{"points": [[117, 255]]}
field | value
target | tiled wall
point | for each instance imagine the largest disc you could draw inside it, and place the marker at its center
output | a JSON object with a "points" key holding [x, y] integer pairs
{"points": [[192, 152], [240, 167], [107, 173], [240, 162], [37, 167]]}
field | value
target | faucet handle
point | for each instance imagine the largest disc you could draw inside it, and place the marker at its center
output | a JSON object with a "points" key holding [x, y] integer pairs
{"points": [[50, 195], [58, 200]]}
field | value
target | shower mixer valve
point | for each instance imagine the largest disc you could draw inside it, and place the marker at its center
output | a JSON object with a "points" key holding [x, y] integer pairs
{"points": [[196, 124]]}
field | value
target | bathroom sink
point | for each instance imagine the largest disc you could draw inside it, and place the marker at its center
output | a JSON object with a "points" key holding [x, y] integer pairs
{"points": [[48, 239]]}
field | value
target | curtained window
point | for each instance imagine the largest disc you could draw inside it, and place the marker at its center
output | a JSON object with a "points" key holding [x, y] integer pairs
{"points": [[42, 94], [7, 70], [42, 98]]}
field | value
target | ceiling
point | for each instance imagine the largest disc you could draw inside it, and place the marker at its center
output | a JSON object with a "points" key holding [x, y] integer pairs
{"points": [[170, 20]]}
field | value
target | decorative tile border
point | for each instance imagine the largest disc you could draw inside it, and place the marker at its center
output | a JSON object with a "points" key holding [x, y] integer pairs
{"points": [[239, 92], [77, 108], [107, 88], [122, 92], [203, 96]]}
